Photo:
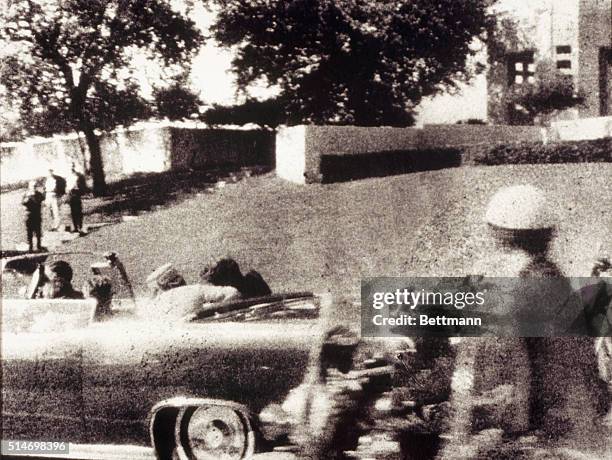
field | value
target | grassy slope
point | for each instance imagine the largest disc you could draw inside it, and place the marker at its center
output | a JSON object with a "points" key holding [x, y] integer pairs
{"points": [[326, 237]]}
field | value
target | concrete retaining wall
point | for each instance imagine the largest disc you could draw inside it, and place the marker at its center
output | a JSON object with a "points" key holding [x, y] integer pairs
{"points": [[291, 154], [582, 129], [303, 152], [203, 148], [145, 148]]}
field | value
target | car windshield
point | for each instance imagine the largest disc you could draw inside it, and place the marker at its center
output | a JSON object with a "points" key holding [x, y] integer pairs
{"points": [[18, 272]]}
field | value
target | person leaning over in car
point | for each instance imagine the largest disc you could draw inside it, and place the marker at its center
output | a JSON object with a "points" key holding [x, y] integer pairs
{"points": [[226, 272], [174, 298], [58, 283], [163, 279]]}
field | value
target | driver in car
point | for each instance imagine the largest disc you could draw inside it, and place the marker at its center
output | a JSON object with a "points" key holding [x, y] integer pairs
{"points": [[58, 283]]}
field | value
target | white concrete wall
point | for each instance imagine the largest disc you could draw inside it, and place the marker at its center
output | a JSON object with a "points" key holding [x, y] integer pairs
{"points": [[146, 147], [291, 154], [583, 129], [299, 149], [144, 150], [23, 161]]}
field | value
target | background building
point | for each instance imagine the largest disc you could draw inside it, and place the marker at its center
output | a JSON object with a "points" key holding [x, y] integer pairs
{"points": [[572, 36]]}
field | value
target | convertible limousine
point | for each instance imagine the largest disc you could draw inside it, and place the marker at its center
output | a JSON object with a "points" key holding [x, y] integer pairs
{"points": [[193, 388]]}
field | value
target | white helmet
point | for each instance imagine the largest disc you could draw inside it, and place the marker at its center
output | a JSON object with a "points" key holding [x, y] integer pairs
{"points": [[520, 207]]}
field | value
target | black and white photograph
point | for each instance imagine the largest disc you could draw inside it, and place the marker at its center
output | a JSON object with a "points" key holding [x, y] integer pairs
{"points": [[306, 229]]}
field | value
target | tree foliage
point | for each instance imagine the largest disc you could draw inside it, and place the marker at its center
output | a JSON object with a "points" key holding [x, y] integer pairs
{"points": [[177, 101], [363, 62], [69, 62], [268, 113]]}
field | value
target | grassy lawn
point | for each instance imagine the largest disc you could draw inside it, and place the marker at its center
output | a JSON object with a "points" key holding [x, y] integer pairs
{"points": [[327, 237]]}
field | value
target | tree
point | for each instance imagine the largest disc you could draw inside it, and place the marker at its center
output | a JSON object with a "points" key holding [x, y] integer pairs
{"points": [[549, 92], [266, 113], [176, 101], [363, 62], [70, 61]]}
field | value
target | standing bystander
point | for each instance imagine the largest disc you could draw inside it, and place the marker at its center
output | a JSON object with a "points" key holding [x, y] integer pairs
{"points": [[32, 201], [76, 187], [55, 189]]}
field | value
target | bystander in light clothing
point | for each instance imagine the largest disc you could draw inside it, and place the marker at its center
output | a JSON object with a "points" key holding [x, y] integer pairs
{"points": [[55, 188]]}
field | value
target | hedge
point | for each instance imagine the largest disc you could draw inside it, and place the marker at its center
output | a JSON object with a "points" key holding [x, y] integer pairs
{"points": [[592, 151], [339, 168]]}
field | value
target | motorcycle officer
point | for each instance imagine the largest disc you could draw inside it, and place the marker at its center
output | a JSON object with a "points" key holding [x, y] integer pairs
{"points": [[531, 384]]}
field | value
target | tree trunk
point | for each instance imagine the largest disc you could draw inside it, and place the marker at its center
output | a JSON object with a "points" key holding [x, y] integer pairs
{"points": [[96, 165]]}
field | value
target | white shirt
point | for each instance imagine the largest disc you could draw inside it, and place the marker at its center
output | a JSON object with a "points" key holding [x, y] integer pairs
{"points": [[50, 184]]}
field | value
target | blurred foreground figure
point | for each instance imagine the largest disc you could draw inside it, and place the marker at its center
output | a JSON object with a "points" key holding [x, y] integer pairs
{"points": [[514, 395], [369, 398], [325, 407], [596, 319]]}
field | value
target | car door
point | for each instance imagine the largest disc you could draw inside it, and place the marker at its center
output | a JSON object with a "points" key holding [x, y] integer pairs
{"points": [[42, 386], [252, 363], [130, 366], [123, 379]]}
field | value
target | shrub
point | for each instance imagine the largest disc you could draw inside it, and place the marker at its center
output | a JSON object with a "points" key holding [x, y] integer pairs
{"points": [[599, 150], [338, 168], [472, 121], [550, 92]]}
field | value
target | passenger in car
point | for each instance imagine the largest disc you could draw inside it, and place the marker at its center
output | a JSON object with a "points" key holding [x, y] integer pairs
{"points": [[58, 283], [226, 272], [174, 298], [219, 283], [254, 285], [163, 279], [183, 301], [101, 289]]}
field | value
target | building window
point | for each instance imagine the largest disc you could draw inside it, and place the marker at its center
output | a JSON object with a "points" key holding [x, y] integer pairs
{"points": [[565, 49], [564, 59], [521, 68]]}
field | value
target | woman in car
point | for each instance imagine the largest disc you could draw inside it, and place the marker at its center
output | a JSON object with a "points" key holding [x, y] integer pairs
{"points": [[226, 272]]}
